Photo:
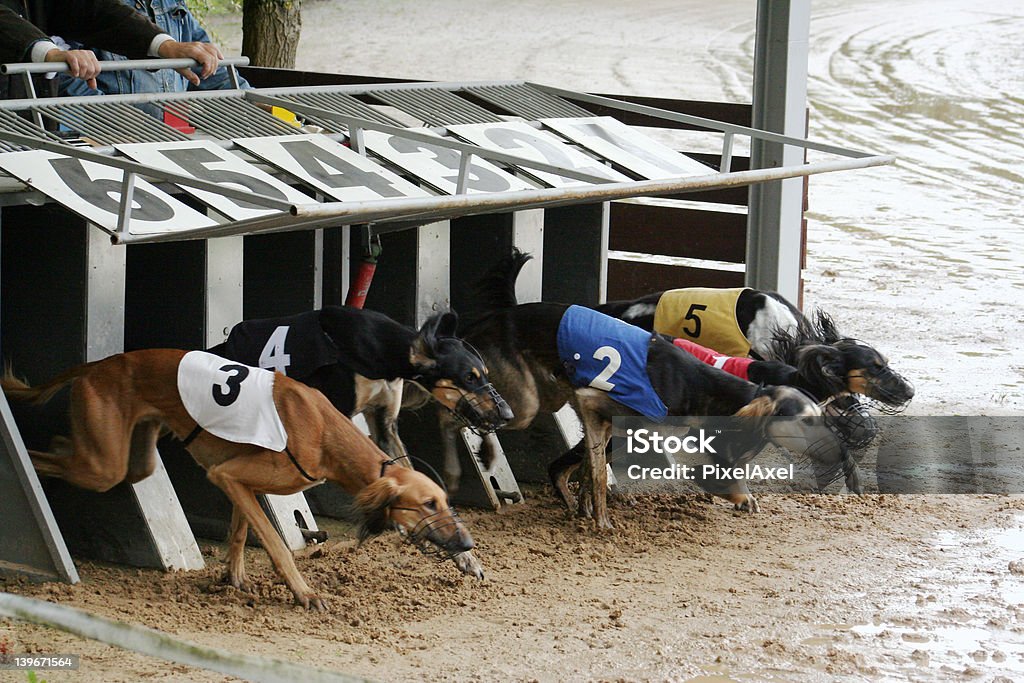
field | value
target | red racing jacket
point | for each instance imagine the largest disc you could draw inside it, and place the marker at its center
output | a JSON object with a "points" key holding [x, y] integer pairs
{"points": [[732, 365]]}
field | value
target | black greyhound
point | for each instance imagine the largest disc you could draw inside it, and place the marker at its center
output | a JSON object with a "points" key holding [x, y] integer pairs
{"points": [[360, 360], [531, 361]]}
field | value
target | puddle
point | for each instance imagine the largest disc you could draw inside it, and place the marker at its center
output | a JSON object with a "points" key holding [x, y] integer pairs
{"points": [[967, 616]]}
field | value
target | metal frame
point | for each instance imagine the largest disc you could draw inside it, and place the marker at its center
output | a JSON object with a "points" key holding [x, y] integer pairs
{"points": [[419, 211], [775, 216]]}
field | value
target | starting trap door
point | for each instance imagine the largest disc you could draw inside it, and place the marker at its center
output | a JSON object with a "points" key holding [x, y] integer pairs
{"points": [[142, 183], [30, 542], [52, 323]]}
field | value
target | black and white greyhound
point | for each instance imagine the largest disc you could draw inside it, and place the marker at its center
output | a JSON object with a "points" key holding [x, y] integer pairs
{"points": [[766, 326]]}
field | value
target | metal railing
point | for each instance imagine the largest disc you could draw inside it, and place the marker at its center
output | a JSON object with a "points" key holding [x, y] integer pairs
{"points": [[247, 110]]}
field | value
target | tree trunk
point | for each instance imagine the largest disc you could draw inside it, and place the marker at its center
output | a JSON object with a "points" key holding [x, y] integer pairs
{"points": [[270, 32]]}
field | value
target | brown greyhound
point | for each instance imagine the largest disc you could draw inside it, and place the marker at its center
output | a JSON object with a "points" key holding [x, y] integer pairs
{"points": [[120, 405]]}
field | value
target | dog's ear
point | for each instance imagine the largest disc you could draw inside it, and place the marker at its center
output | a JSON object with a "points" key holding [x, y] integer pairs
{"points": [[825, 327], [822, 367], [424, 346], [447, 324], [762, 406], [372, 505]]}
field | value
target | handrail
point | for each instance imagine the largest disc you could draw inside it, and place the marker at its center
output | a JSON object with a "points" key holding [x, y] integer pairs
{"points": [[115, 65]]}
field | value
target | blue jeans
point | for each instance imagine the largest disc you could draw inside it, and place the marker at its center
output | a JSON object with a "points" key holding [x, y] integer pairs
{"points": [[174, 17]]}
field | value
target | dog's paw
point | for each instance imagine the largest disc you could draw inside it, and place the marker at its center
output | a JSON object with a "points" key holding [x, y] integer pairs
{"points": [[604, 523], [241, 582], [468, 564], [311, 601], [747, 504]]}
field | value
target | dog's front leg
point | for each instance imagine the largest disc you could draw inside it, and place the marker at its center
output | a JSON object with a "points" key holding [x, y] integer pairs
{"points": [[382, 419], [235, 478], [236, 575], [595, 434], [452, 468], [741, 497]]}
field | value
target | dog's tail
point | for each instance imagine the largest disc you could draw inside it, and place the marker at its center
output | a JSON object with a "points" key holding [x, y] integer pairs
{"points": [[497, 289], [19, 390]]}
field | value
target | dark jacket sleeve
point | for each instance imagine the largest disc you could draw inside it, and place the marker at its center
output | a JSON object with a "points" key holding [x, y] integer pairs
{"points": [[106, 24], [16, 35]]}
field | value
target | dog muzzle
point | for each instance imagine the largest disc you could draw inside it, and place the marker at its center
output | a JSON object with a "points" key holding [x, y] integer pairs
{"points": [[471, 411], [891, 392], [439, 536], [848, 418]]}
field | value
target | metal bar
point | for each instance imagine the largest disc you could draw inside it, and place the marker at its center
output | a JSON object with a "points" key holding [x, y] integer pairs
{"points": [[30, 88], [432, 140], [775, 216], [357, 140], [148, 641], [124, 216], [726, 165], [134, 98], [119, 65], [427, 209], [142, 169], [363, 88], [703, 122], [464, 162]]}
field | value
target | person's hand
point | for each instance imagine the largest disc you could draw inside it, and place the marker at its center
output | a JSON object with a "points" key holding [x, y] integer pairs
{"points": [[81, 63], [206, 54]]}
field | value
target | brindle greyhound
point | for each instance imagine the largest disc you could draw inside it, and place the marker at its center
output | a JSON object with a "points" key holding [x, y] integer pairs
{"points": [[521, 345], [119, 406]]}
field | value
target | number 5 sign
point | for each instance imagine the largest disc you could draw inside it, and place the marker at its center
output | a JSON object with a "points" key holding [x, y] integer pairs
{"points": [[93, 191], [205, 160]]}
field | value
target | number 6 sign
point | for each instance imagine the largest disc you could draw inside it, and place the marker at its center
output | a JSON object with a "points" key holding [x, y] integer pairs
{"points": [[93, 191]]}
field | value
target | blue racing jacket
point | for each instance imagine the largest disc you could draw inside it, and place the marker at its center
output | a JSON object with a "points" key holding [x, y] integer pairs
{"points": [[606, 353]]}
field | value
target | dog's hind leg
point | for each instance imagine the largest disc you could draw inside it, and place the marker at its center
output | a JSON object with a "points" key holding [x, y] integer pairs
{"points": [[142, 452], [235, 574], [561, 470], [237, 478], [98, 454]]}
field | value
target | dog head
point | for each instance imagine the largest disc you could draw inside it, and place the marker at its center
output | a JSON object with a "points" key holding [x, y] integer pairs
{"points": [[409, 502], [868, 373], [455, 375], [850, 366], [791, 419]]}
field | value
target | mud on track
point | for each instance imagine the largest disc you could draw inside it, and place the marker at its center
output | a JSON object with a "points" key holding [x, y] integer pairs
{"points": [[813, 588]]}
